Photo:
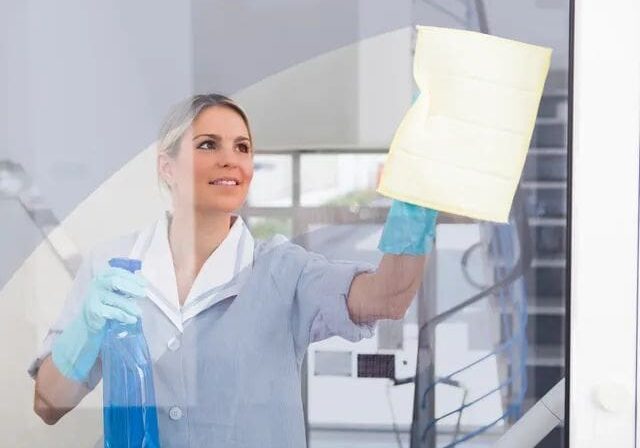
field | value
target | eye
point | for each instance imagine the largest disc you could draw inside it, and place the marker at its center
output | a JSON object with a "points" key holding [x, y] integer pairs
{"points": [[207, 144], [244, 147]]}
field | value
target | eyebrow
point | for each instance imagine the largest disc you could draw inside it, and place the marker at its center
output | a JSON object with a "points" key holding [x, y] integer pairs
{"points": [[217, 137]]}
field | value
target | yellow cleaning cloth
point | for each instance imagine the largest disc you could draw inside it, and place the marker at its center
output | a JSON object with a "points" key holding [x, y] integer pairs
{"points": [[462, 145]]}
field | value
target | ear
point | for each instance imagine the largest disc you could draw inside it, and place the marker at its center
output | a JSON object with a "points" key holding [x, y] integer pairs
{"points": [[165, 168]]}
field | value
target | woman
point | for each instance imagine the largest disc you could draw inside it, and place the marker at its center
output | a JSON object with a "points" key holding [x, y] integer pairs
{"points": [[227, 319]]}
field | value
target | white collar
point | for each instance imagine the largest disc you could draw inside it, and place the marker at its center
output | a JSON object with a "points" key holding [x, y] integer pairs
{"points": [[221, 276]]}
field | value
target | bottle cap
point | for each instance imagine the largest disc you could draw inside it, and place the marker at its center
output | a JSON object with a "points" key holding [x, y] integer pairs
{"points": [[129, 264]]}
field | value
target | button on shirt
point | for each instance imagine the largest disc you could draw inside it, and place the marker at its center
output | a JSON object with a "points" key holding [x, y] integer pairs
{"points": [[175, 413], [226, 365]]}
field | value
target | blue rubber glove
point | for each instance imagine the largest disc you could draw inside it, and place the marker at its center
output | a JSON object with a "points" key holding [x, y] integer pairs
{"points": [[111, 296], [408, 230]]}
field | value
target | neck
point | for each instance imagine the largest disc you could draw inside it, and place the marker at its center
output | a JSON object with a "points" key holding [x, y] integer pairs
{"points": [[193, 237]]}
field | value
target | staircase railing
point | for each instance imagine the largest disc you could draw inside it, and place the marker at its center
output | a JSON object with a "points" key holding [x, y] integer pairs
{"points": [[509, 291]]}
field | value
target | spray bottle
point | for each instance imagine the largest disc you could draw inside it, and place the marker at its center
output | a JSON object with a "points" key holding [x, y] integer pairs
{"points": [[129, 409]]}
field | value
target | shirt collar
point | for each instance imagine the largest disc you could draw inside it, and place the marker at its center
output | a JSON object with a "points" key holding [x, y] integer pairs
{"points": [[219, 277]]}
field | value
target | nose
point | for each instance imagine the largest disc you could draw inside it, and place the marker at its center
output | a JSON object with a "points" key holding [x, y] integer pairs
{"points": [[226, 157]]}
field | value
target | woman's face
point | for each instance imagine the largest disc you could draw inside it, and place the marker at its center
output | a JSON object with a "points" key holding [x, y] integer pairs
{"points": [[214, 166]]}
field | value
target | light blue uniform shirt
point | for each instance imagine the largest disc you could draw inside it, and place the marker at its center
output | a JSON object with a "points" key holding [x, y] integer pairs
{"points": [[227, 363]]}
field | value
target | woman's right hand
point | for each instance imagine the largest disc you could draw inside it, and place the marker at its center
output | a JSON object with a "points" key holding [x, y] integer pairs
{"points": [[112, 295]]}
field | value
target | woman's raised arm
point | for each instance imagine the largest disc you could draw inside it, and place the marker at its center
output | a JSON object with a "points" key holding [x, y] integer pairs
{"points": [[388, 292], [406, 240]]}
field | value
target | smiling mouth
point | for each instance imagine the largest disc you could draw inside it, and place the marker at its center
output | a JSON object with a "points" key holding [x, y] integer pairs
{"points": [[225, 182]]}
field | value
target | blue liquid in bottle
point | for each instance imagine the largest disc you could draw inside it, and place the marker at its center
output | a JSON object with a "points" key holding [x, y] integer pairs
{"points": [[129, 407]]}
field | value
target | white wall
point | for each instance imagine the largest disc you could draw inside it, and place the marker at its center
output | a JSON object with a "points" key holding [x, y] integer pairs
{"points": [[353, 97], [83, 87], [86, 85]]}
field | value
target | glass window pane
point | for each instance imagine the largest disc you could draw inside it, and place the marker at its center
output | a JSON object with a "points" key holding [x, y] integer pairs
{"points": [[483, 337], [271, 184], [264, 227], [340, 179]]}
